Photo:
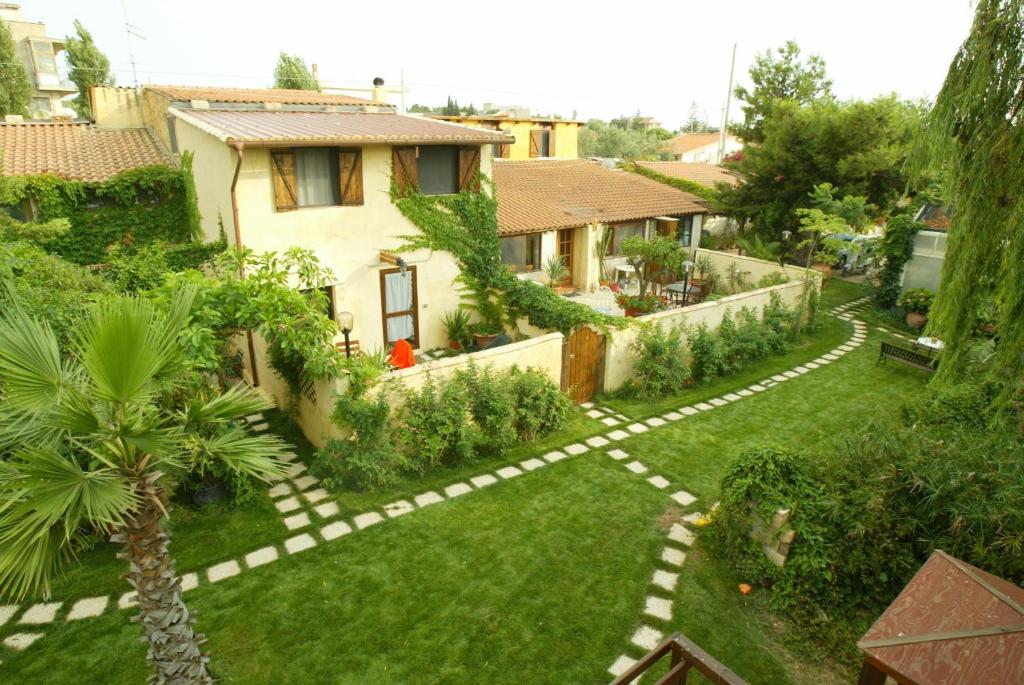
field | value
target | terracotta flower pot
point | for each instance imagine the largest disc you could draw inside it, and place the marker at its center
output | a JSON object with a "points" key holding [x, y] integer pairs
{"points": [[633, 312], [484, 340], [454, 345], [916, 320]]}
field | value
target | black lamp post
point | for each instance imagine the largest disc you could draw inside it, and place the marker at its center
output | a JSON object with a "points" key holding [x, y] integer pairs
{"points": [[687, 269], [786, 235], [345, 321]]}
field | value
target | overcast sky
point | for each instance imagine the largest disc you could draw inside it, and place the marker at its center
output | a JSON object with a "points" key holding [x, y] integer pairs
{"points": [[597, 59]]}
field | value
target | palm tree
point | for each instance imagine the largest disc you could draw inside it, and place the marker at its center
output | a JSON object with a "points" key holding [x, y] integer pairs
{"points": [[89, 446]]}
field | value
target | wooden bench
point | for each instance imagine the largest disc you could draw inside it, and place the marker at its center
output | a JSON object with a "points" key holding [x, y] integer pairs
{"points": [[908, 357]]}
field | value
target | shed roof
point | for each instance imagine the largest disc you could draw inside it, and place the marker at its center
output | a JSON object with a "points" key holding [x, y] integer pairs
{"points": [[952, 623], [76, 151], [283, 96], [545, 194], [698, 172], [268, 127], [690, 141]]}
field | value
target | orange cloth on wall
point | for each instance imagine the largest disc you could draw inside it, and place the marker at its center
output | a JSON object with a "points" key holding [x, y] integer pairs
{"points": [[402, 356]]}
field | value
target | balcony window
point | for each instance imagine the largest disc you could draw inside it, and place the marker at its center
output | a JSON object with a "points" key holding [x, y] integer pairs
{"points": [[521, 252]]}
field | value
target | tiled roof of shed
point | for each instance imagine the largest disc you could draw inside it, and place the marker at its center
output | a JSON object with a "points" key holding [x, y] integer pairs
{"points": [[282, 96], [698, 172], [75, 151], [686, 142], [541, 195], [334, 127]]}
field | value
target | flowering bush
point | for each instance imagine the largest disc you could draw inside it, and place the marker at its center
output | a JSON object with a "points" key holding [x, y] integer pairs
{"points": [[917, 300], [642, 304]]}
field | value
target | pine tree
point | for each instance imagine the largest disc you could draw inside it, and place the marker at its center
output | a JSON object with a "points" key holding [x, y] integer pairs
{"points": [[291, 72], [15, 90], [87, 66]]}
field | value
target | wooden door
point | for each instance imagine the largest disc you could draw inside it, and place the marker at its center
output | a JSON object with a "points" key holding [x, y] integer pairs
{"points": [[565, 251], [583, 364]]}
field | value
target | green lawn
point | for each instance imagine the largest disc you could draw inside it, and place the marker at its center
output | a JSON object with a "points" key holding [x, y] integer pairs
{"points": [[540, 579]]}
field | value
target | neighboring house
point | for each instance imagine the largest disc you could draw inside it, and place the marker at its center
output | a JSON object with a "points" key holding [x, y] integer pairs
{"points": [[296, 168], [549, 208], [535, 136], [924, 268], [38, 54], [701, 147], [707, 175]]}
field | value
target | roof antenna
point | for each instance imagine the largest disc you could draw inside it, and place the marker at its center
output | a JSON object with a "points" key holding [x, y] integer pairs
{"points": [[131, 30]]}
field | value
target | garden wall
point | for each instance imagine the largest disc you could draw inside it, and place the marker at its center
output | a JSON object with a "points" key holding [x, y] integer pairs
{"points": [[756, 269]]}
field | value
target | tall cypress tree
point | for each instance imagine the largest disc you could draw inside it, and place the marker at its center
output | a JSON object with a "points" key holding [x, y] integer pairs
{"points": [[87, 66], [15, 90]]}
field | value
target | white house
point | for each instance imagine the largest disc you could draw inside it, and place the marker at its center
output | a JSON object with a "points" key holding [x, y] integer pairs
{"points": [[701, 147]]}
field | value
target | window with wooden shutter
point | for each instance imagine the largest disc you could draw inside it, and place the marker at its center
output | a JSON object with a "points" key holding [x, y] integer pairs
{"points": [[282, 164], [535, 143], [403, 159], [350, 177], [551, 143], [469, 168]]}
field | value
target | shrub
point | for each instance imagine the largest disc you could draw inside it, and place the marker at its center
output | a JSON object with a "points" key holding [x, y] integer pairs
{"points": [[368, 458], [917, 300], [542, 407], [436, 429], [778, 319], [492, 405], [707, 356], [774, 278], [661, 367], [753, 338]]}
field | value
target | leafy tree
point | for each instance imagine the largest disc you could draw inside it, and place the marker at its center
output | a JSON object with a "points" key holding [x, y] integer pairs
{"points": [[469, 110], [87, 67], [15, 90], [291, 72], [90, 446], [599, 139], [776, 78], [452, 108], [652, 258]]}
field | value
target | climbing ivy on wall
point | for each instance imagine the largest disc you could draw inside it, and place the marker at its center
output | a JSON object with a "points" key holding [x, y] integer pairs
{"points": [[894, 250], [466, 226], [139, 205], [683, 184]]}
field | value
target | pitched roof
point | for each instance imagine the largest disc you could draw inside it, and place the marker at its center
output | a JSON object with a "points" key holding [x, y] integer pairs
{"points": [[76, 151], [256, 95], [540, 195], [689, 141], [333, 127], [698, 172]]}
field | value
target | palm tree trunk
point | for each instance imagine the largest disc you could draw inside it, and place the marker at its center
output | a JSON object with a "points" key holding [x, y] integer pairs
{"points": [[174, 653]]}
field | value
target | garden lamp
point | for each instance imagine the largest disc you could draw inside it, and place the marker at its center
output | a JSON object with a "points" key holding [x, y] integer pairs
{"points": [[402, 266], [786, 235], [345, 322], [687, 270]]}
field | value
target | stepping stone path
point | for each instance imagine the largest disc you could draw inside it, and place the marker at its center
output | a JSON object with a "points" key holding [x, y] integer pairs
{"points": [[605, 415], [87, 608]]}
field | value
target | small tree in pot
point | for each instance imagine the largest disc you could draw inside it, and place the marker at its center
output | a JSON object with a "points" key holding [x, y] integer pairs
{"points": [[916, 302]]}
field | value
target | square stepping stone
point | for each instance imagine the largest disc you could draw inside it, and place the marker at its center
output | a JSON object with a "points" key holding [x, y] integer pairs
{"points": [[189, 581], [779, 378], [812, 365], [21, 641], [399, 508], [370, 518], [718, 402], [483, 481], [335, 530], [595, 413], [790, 374], [299, 543], [673, 556], [261, 556], [287, 457], [655, 422], [703, 406], [552, 457], [672, 416], [427, 498], [646, 638], [587, 405], [757, 387], [801, 369], [618, 454], [636, 428], [280, 490], [7, 613], [508, 472], [327, 510], [620, 417], [659, 482], [610, 421], [731, 397], [286, 505], [226, 569], [666, 580], [253, 418], [457, 489], [683, 497], [128, 600], [575, 448], [829, 357], [297, 521], [846, 348], [315, 495], [621, 665], [659, 607], [306, 482], [38, 614], [88, 608], [294, 470], [636, 467], [597, 441], [533, 464], [689, 411], [681, 534], [618, 435]]}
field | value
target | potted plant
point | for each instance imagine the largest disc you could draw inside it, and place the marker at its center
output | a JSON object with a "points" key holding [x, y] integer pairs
{"points": [[705, 273], [556, 271], [636, 305], [916, 302], [484, 332], [456, 323]]}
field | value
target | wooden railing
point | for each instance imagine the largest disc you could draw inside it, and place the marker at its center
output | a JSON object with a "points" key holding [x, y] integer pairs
{"points": [[684, 654]]}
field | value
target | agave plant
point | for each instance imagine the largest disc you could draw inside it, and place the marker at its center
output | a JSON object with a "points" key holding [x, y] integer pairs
{"points": [[88, 446]]}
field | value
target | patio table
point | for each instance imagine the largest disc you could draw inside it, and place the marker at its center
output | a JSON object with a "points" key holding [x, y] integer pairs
{"points": [[929, 345], [677, 292]]}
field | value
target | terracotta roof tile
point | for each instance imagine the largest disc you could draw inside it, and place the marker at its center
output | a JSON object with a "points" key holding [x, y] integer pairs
{"points": [[334, 127], [256, 95], [690, 141], [698, 172], [541, 195], [80, 152]]}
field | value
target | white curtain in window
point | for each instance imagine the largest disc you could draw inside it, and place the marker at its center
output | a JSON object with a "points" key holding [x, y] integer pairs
{"points": [[313, 176], [398, 298]]}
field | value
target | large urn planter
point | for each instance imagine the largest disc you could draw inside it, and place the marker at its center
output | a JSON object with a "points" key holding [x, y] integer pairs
{"points": [[916, 320]]}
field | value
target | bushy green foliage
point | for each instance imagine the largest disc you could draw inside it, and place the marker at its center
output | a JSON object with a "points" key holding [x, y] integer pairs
{"points": [[146, 267], [15, 90], [492, 405], [894, 250], [292, 73], [917, 300], [661, 367], [684, 184], [620, 139], [774, 278], [541, 407], [778, 318], [368, 458], [707, 354], [436, 427], [87, 67]]}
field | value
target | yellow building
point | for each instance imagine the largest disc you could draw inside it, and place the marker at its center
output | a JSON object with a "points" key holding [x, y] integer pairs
{"points": [[535, 136], [38, 54]]}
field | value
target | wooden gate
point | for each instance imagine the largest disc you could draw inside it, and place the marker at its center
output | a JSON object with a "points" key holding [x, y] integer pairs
{"points": [[583, 364]]}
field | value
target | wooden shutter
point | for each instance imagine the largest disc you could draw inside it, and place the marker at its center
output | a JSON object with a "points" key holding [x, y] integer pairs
{"points": [[469, 168], [506, 151], [407, 177], [535, 143], [551, 142], [667, 227], [350, 177], [286, 194]]}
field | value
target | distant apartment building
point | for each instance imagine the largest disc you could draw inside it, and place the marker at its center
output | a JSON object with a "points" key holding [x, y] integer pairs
{"points": [[38, 53], [536, 137]]}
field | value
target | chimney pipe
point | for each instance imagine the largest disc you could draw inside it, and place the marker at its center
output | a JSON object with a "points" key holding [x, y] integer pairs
{"points": [[380, 95]]}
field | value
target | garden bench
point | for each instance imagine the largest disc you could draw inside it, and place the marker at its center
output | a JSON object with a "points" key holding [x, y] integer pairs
{"points": [[908, 357]]}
